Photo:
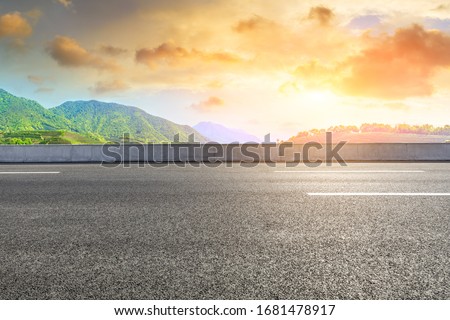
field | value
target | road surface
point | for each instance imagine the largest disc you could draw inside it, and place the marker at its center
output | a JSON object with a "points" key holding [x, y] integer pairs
{"points": [[366, 231]]}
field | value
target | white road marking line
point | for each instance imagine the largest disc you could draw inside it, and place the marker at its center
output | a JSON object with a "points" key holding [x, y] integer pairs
{"points": [[351, 171], [409, 194], [30, 172]]}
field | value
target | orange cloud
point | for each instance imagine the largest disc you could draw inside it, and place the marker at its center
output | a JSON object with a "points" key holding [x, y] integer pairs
{"points": [[66, 3], [391, 67], [109, 86], [171, 55], [210, 104], [36, 79], [68, 53], [14, 25], [321, 14], [251, 24], [312, 76], [315, 75], [112, 51], [398, 66]]}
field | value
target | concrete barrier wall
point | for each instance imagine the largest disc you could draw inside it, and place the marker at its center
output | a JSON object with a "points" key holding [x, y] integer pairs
{"points": [[211, 152]]}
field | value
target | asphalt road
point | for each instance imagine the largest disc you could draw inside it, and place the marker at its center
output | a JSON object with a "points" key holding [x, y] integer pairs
{"points": [[366, 231]]}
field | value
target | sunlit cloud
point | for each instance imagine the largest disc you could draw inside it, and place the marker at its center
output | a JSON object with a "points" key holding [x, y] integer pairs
{"points": [[254, 23], [67, 52], [321, 14], [208, 105], [442, 7], [14, 25], [398, 66], [314, 75], [289, 88], [365, 22], [112, 50], [65, 3], [169, 54], [394, 66], [109, 86], [37, 80]]}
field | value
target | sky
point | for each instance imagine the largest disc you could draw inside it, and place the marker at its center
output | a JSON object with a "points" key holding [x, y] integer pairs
{"points": [[264, 66]]}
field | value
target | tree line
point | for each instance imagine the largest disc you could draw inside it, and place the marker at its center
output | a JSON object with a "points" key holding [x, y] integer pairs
{"points": [[426, 129]]}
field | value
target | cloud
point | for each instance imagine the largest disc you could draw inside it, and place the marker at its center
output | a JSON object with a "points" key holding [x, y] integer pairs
{"points": [[215, 84], [109, 86], [396, 106], [37, 80], [112, 51], [312, 75], [398, 66], [442, 7], [210, 104], [281, 44], [66, 3], [394, 66], [254, 23], [316, 75], [362, 22], [14, 25], [44, 90], [171, 55], [321, 14], [68, 53], [34, 15]]}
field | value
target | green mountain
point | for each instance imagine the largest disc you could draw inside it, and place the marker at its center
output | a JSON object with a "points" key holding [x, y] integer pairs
{"points": [[89, 121], [17, 114], [112, 121]]}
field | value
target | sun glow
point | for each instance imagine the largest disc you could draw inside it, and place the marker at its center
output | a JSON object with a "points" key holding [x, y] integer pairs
{"points": [[320, 97]]}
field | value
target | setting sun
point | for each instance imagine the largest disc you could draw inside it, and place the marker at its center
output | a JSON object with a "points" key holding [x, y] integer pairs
{"points": [[316, 97]]}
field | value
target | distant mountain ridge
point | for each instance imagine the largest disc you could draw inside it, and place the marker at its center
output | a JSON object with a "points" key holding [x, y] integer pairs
{"points": [[102, 120], [112, 120], [219, 133]]}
